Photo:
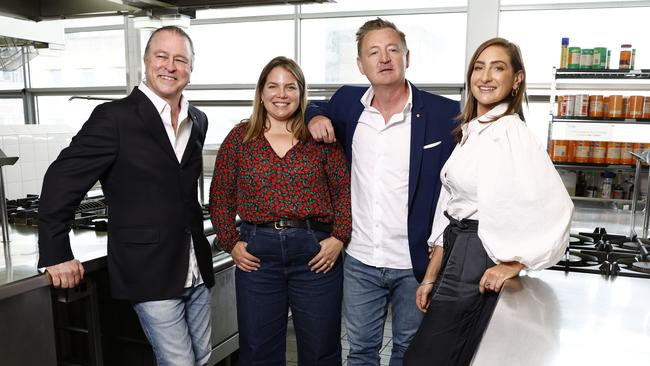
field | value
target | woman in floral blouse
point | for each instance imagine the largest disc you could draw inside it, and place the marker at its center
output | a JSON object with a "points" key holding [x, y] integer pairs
{"points": [[293, 196]]}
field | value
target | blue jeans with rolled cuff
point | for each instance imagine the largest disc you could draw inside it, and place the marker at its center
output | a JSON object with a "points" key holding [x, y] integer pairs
{"points": [[285, 280], [179, 329]]}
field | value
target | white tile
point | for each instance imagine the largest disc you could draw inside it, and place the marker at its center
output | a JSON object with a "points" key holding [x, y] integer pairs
{"points": [[41, 168], [9, 140], [28, 170], [32, 187], [53, 151], [12, 173], [40, 149], [14, 190], [27, 151], [11, 150]]}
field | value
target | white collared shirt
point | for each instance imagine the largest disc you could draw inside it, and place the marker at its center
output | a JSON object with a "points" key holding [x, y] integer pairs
{"points": [[178, 140], [379, 186], [501, 175]]}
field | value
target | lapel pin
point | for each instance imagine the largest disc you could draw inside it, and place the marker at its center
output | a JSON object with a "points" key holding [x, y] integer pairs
{"points": [[417, 115]]}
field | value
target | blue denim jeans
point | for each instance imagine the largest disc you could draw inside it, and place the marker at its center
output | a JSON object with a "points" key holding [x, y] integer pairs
{"points": [[178, 329], [285, 280], [367, 291]]}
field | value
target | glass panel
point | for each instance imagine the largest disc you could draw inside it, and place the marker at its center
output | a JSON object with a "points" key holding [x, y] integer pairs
{"points": [[220, 94], [436, 42], [236, 52], [361, 5], [92, 21], [221, 120], [586, 28], [537, 119], [60, 110], [12, 79], [12, 112], [89, 59], [245, 11], [530, 2]]}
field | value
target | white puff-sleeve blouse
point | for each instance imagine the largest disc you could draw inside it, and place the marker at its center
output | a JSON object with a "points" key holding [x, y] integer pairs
{"points": [[501, 176]]}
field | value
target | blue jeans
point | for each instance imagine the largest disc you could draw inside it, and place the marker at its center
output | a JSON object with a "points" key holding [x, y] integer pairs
{"points": [[178, 329], [367, 292], [285, 280]]}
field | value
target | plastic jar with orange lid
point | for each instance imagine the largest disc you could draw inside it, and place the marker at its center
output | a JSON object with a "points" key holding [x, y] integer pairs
{"points": [[646, 108], [626, 158], [613, 153], [560, 151], [598, 152], [596, 106], [634, 107], [582, 151], [615, 106]]}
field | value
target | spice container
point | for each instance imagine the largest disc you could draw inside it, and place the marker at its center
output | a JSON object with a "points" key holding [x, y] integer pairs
{"points": [[626, 157], [586, 58], [646, 108], [606, 185], [574, 58], [595, 106], [582, 151], [625, 58], [613, 153], [615, 106], [600, 58], [564, 58], [634, 107], [581, 105], [598, 152], [560, 151]]}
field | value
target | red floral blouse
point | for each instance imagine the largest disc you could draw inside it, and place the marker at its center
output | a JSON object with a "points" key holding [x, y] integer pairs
{"points": [[251, 180]]}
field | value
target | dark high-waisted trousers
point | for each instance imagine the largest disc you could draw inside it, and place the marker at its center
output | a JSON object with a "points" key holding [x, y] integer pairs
{"points": [[458, 314]]}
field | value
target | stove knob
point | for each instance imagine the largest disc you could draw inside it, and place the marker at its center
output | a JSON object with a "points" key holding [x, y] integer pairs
{"points": [[615, 269], [605, 268]]}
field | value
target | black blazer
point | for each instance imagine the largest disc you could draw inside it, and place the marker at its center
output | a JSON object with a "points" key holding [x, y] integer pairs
{"points": [[152, 199]]}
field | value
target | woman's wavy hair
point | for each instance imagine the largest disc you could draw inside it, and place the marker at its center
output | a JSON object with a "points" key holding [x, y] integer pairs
{"points": [[257, 123], [515, 100]]}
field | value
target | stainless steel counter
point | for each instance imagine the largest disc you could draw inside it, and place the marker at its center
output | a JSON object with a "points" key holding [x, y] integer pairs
{"points": [[554, 318], [18, 272]]}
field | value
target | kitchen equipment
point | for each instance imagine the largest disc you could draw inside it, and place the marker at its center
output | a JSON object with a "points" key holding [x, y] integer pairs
{"points": [[4, 160]]}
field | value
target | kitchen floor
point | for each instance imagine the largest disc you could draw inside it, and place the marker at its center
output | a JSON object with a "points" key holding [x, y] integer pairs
{"points": [[292, 354]]}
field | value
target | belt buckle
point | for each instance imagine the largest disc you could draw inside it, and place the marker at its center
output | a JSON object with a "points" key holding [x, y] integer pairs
{"points": [[279, 225]]}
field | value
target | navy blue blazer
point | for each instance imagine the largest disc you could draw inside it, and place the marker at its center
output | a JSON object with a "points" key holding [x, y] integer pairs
{"points": [[432, 121]]}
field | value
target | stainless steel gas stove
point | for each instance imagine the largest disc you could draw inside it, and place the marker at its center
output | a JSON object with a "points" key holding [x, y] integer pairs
{"points": [[606, 254]]}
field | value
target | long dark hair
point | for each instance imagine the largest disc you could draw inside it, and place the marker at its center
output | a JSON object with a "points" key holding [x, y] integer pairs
{"points": [[515, 102]]}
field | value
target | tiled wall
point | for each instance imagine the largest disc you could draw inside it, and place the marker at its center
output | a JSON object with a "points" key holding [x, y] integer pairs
{"points": [[36, 147]]}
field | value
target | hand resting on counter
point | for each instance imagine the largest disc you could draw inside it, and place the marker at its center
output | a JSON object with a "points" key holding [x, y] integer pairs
{"points": [[66, 274], [494, 277]]}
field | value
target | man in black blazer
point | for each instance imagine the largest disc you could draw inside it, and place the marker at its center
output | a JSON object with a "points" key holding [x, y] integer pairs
{"points": [[146, 150], [396, 138]]}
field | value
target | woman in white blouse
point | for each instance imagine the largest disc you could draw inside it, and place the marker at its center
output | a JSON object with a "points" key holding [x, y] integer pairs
{"points": [[502, 208]]}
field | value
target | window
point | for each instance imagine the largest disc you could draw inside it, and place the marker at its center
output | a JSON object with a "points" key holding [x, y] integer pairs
{"points": [[364, 5], [12, 79], [539, 34], [245, 11], [235, 53], [12, 112], [88, 59], [221, 120], [64, 110], [436, 43]]}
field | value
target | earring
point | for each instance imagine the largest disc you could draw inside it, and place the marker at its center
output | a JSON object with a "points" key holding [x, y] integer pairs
{"points": [[514, 92], [261, 102]]}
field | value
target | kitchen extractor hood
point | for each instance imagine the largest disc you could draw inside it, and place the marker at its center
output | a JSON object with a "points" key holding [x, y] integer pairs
{"points": [[20, 39], [38, 10]]}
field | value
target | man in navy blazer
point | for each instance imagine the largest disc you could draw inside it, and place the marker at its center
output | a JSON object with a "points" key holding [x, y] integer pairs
{"points": [[397, 139], [146, 150]]}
